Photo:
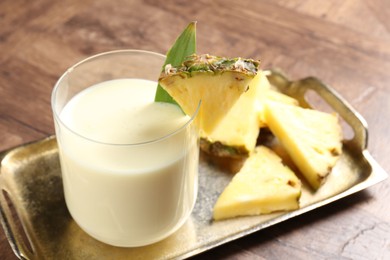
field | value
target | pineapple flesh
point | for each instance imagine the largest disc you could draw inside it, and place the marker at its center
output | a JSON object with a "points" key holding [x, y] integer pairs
{"points": [[313, 139], [267, 92], [236, 134], [263, 185], [215, 81]]}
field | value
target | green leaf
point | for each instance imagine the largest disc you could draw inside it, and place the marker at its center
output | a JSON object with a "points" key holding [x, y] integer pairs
{"points": [[185, 45]]}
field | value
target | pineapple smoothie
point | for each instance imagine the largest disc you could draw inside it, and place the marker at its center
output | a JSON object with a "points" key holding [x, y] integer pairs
{"points": [[121, 194]]}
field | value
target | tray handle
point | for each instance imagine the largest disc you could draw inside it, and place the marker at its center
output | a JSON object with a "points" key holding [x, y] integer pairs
{"points": [[13, 232], [298, 89]]}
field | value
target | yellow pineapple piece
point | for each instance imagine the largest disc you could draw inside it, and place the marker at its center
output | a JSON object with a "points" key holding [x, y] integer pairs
{"points": [[216, 81], [263, 185], [277, 96], [311, 138], [267, 92], [236, 134]]}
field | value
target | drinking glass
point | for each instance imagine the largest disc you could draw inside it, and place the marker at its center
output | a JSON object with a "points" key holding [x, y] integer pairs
{"points": [[125, 194]]}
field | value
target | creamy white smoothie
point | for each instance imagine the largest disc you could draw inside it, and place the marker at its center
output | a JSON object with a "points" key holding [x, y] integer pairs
{"points": [[129, 164]]}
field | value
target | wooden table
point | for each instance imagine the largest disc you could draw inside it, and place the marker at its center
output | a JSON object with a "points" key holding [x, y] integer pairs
{"points": [[344, 43]]}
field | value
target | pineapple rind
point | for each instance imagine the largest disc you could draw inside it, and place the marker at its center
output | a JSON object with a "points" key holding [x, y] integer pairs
{"points": [[214, 64], [263, 185], [311, 138], [219, 149]]}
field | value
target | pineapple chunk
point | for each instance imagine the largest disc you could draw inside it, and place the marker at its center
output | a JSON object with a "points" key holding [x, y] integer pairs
{"points": [[267, 92], [264, 86], [236, 134], [311, 138], [263, 185], [277, 96], [216, 82]]}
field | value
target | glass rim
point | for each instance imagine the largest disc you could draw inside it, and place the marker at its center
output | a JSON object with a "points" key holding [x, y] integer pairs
{"points": [[128, 51]]}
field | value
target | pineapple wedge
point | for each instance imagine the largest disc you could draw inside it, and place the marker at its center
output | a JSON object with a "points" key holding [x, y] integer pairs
{"points": [[267, 92], [276, 96], [236, 134], [215, 81], [263, 185], [311, 138]]}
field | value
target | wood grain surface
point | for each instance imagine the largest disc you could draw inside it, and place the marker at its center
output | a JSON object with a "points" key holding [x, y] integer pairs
{"points": [[344, 43]]}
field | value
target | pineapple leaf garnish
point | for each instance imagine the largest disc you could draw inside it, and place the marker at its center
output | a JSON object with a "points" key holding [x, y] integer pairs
{"points": [[185, 45]]}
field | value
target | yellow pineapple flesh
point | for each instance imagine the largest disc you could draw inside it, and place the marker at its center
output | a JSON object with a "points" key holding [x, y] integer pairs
{"points": [[313, 139], [215, 81], [263, 185], [236, 134], [267, 92]]}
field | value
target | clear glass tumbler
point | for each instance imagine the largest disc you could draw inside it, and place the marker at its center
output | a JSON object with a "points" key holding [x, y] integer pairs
{"points": [[124, 194]]}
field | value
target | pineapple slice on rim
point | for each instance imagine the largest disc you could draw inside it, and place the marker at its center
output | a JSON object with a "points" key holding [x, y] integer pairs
{"points": [[313, 139], [236, 134], [263, 185], [215, 81]]}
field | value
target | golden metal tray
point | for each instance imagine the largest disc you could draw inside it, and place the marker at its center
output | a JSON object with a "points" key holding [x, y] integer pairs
{"points": [[38, 226]]}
